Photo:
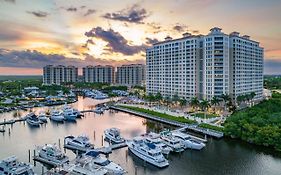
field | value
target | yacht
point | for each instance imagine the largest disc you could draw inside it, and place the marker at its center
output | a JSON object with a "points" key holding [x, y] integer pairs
{"points": [[99, 110], [155, 139], [147, 152], [81, 142], [69, 113], [100, 96], [81, 169], [188, 142], [172, 142], [11, 166], [113, 135], [57, 116], [42, 117], [94, 159], [51, 153], [32, 119]]}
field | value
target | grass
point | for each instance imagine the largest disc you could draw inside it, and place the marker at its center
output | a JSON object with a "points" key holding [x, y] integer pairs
{"points": [[207, 126], [158, 114], [201, 115]]}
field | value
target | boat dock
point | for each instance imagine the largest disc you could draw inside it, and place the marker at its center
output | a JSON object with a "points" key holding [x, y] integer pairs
{"points": [[39, 159], [183, 126], [12, 121], [108, 149]]}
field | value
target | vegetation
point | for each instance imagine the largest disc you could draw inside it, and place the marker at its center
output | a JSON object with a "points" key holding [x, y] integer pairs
{"points": [[84, 85], [272, 82], [208, 126], [260, 124], [202, 115], [111, 88], [158, 114]]}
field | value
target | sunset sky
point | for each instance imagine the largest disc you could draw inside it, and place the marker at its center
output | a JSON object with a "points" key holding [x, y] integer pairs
{"points": [[34, 33]]}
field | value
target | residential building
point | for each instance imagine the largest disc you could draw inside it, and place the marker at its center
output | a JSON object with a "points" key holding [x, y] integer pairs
{"points": [[205, 66], [101, 74], [130, 75], [59, 74]]}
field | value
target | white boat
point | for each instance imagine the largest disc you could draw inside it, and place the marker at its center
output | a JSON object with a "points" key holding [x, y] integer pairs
{"points": [[157, 141], [81, 142], [57, 116], [188, 142], [82, 169], [69, 113], [51, 153], [172, 142], [99, 110], [113, 135], [42, 117], [94, 159], [32, 119], [11, 166], [100, 96], [147, 152]]}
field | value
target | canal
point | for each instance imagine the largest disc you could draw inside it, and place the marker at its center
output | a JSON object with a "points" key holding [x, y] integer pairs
{"points": [[218, 157]]}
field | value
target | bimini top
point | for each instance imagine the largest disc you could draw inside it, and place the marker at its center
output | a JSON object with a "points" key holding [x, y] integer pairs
{"points": [[92, 153]]}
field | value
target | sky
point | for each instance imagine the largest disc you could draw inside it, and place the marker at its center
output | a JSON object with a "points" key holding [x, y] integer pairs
{"points": [[35, 33]]}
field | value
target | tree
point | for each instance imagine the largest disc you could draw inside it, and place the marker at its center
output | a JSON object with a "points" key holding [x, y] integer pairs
{"points": [[183, 102], [175, 98], [225, 98], [158, 96], [204, 105], [215, 101], [194, 103]]}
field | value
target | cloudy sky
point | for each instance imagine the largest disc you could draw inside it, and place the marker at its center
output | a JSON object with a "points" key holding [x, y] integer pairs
{"points": [[34, 33]]}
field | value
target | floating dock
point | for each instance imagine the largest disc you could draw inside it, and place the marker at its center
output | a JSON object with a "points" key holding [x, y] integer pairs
{"points": [[12, 121], [108, 149], [55, 164]]}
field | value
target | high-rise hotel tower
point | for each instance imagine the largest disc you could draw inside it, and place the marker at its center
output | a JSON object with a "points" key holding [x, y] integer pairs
{"points": [[205, 66]]}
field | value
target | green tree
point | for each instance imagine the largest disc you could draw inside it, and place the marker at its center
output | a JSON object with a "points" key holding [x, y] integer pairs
{"points": [[194, 103], [204, 105]]}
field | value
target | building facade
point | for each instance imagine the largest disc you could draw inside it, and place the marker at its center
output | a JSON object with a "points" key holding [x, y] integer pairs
{"points": [[101, 74], [205, 66], [59, 74], [130, 75]]}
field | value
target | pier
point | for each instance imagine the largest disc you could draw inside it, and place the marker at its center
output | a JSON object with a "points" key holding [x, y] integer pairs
{"points": [[12, 121], [183, 126]]}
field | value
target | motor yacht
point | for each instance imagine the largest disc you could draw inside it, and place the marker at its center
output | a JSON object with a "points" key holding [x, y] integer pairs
{"points": [[57, 116], [113, 135], [69, 113], [147, 152], [11, 166], [172, 142], [81, 142], [32, 119], [51, 153], [42, 117], [80, 169], [188, 142], [99, 110], [155, 139], [93, 159]]}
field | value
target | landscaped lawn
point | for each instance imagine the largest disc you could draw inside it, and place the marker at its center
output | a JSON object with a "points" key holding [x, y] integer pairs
{"points": [[158, 114]]}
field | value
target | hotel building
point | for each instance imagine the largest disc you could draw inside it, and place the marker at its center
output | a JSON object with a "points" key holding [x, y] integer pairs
{"points": [[101, 74], [130, 75], [59, 74], [205, 66]]}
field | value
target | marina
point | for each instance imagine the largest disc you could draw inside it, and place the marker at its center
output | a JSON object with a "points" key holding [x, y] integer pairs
{"points": [[94, 125]]}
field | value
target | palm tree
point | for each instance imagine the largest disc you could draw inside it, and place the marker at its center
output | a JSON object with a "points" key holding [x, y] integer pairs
{"points": [[182, 102], [252, 96], [204, 105], [225, 98], [215, 101], [194, 102]]}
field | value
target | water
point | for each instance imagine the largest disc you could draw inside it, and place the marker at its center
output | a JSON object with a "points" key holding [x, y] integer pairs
{"points": [[218, 157]]}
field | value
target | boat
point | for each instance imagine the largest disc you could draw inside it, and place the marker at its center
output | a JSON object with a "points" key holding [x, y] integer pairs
{"points": [[147, 152], [172, 142], [32, 119], [157, 141], [113, 135], [99, 110], [188, 142], [11, 166], [81, 142], [94, 159], [100, 96], [52, 154], [79, 169], [69, 113], [57, 116], [42, 117]]}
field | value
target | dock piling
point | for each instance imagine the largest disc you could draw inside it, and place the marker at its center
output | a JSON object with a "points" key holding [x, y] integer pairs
{"points": [[101, 140], [29, 155]]}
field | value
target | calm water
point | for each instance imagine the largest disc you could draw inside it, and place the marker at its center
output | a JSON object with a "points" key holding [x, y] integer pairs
{"points": [[218, 157]]}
